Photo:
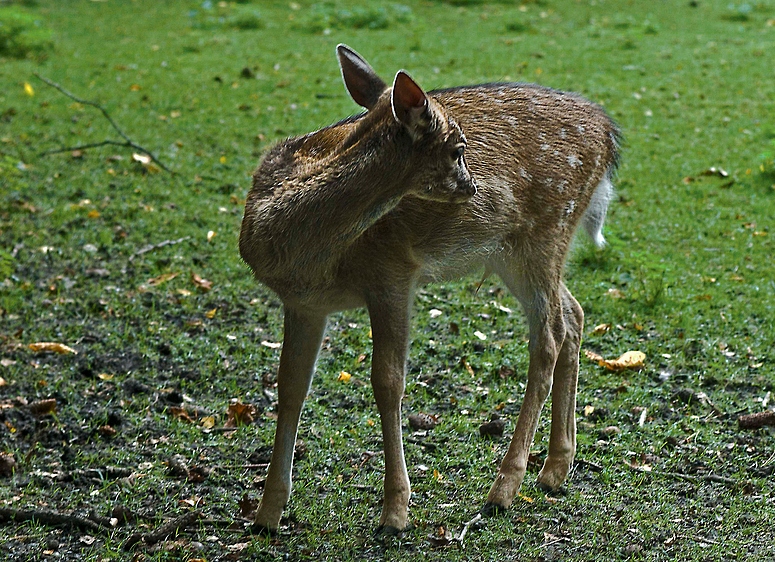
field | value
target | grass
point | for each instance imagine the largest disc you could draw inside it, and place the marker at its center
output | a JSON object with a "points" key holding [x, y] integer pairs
{"points": [[208, 86]]}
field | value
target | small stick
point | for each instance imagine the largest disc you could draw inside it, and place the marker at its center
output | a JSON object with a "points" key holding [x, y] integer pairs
{"points": [[46, 517], [128, 142], [151, 247], [757, 420], [465, 528], [172, 526]]}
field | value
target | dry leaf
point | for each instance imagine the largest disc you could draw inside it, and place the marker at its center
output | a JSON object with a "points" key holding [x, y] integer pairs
{"points": [[344, 376], [210, 314], [43, 407], [422, 420], [208, 422], [628, 360], [201, 283], [28, 89], [441, 537], [271, 344], [601, 329], [107, 431], [210, 235], [161, 279], [240, 414], [142, 158], [105, 376], [47, 346]]}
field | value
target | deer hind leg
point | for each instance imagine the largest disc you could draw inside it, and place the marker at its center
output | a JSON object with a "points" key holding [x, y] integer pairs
{"points": [[301, 343], [562, 440], [389, 314], [541, 300]]}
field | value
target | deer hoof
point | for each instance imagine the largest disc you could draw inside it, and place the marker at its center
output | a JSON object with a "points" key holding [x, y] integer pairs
{"points": [[256, 530], [490, 509]]}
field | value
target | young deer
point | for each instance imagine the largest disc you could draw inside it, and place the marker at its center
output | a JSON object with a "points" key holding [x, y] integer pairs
{"points": [[422, 187]]}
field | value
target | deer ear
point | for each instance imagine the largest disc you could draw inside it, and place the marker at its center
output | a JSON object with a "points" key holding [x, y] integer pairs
{"points": [[410, 103], [363, 84]]}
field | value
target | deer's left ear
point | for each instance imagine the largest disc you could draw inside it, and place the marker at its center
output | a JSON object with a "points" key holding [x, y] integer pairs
{"points": [[411, 105], [363, 84]]}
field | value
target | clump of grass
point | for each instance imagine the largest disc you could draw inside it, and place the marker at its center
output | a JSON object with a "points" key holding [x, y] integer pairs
{"points": [[739, 12], [22, 34], [240, 17], [519, 27], [767, 158], [330, 15]]}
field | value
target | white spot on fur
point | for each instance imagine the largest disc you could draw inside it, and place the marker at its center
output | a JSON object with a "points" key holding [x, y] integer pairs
{"points": [[581, 129], [563, 134], [570, 207], [523, 173], [573, 161], [545, 146]]}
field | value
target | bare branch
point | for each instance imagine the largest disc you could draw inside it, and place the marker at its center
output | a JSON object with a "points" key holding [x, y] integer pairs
{"points": [[128, 142]]}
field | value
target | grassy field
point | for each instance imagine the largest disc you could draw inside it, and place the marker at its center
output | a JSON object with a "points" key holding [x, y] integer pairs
{"points": [[137, 270]]}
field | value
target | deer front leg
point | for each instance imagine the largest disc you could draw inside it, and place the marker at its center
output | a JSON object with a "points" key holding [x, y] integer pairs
{"points": [[546, 330], [390, 332], [562, 440], [301, 343]]}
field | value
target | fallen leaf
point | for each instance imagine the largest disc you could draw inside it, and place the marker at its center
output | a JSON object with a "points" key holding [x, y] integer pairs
{"points": [[615, 293], [210, 235], [240, 414], [208, 422], [247, 506], [107, 431], [43, 407], [628, 360], [601, 329], [422, 420], [161, 279], [441, 537], [28, 89], [7, 464], [344, 376], [54, 347], [210, 314], [105, 376], [271, 344], [493, 428], [181, 413], [201, 283]]}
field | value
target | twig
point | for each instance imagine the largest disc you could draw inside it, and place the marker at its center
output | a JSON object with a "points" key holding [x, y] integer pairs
{"points": [[757, 420], [165, 530], [128, 142], [151, 247], [464, 530], [46, 517]]}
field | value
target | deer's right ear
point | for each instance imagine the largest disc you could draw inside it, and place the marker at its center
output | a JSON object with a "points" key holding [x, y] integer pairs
{"points": [[410, 104], [363, 84]]}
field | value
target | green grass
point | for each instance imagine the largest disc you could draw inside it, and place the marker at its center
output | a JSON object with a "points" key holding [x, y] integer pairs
{"points": [[688, 278]]}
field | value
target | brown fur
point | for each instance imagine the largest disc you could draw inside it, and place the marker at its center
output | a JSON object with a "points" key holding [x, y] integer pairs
{"points": [[360, 213]]}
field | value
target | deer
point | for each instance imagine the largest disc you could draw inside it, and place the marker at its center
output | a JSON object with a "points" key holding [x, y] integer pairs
{"points": [[423, 187]]}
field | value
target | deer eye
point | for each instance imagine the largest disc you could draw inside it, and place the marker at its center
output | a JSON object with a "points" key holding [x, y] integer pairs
{"points": [[459, 151]]}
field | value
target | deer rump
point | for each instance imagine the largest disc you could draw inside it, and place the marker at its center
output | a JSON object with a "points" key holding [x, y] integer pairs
{"points": [[420, 187]]}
